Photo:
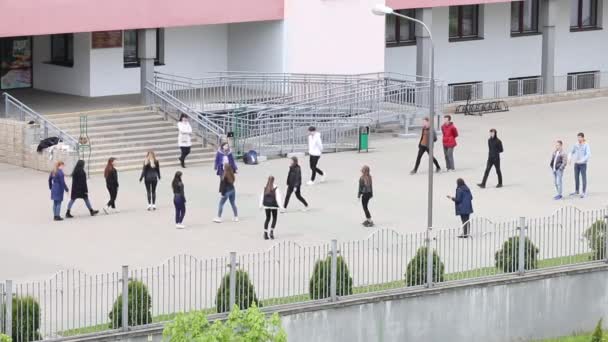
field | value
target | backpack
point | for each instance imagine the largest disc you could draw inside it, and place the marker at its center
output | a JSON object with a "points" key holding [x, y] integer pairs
{"points": [[270, 199]]}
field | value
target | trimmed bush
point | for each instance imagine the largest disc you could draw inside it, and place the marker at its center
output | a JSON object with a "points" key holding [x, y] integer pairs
{"points": [[5, 338], [596, 238], [507, 258], [598, 334], [140, 306], [415, 273], [320, 282], [26, 319], [244, 296]]}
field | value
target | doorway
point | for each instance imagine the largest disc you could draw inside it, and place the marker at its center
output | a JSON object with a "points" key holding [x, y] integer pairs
{"points": [[16, 63]]}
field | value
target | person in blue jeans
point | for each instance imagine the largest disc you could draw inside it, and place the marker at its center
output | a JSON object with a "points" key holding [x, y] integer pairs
{"points": [[580, 157], [179, 200], [228, 192], [58, 187], [558, 164]]}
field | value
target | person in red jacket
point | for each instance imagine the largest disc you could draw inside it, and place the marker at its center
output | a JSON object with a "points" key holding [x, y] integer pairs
{"points": [[450, 133]]}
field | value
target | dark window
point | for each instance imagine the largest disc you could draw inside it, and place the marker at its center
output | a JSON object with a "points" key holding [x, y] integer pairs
{"points": [[62, 49], [524, 17], [521, 86], [583, 80], [130, 48], [401, 31], [464, 21], [464, 91], [583, 14]]}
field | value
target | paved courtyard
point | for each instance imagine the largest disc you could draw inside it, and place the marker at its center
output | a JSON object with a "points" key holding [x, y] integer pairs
{"points": [[32, 246]]}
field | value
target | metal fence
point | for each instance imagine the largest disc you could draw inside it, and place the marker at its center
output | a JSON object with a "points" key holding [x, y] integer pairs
{"points": [[75, 303]]}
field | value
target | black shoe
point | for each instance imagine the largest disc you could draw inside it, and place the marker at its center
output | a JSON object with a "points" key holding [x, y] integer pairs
{"points": [[481, 185], [272, 234], [463, 236], [499, 186], [182, 163], [437, 170], [68, 214], [57, 218], [94, 212], [413, 172], [266, 236]]}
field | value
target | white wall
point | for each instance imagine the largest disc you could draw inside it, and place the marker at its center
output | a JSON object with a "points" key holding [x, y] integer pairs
{"points": [[401, 59], [61, 79], [256, 46], [333, 36]]}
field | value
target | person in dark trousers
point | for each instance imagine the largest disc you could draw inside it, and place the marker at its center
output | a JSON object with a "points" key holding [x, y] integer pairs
{"points": [[423, 146], [559, 159], [224, 156], [150, 173], [315, 149], [80, 189], [184, 138], [179, 200], [294, 183], [494, 150], [581, 152], [228, 193], [270, 201], [463, 201], [449, 133], [366, 193], [58, 187], [111, 176]]}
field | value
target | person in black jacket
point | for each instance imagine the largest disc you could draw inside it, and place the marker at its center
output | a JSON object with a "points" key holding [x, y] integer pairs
{"points": [[179, 200], [80, 189], [494, 151], [294, 182], [366, 193], [111, 176], [151, 175]]}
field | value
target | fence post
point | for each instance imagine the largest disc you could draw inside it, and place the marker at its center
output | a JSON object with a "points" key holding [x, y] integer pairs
{"points": [[125, 298], [232, 291], [429, 259], [606, 238], [8, 316], [521, 269], [334, 271]]}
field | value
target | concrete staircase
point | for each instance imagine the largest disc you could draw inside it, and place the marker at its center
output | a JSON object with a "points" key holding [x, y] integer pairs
{"points": [[127, 134]]}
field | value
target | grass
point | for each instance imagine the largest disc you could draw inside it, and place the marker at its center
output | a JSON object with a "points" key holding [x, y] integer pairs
{"points": [[583, 337]]}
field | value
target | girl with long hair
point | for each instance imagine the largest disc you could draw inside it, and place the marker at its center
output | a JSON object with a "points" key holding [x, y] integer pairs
{"points": [[58, 187], [270, 201], [366, 193], [179, 200], [111, 176], [294, 182], [228, 192], [150, 173], [80, 189]]}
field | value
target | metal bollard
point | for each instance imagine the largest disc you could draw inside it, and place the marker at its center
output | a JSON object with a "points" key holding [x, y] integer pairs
{"points": [[429, 259], [522, 241], [334, 271], [125, 298], [232, 290]]}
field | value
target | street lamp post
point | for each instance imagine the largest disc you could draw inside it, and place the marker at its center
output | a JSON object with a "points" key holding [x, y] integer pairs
{"points": [[383, 10]]}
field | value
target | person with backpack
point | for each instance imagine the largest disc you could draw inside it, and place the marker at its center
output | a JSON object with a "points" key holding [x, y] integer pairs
{"points": [[228, 193], [150, 174], [463, 202], [270, 201], [224, 156], [449, 133], [423, 145], [559, 159], [57, 187], [179, 200], [315, 149], [294, 183], [494, 150], [111, 176], [184, 138], [365, 194], [80, 189]]}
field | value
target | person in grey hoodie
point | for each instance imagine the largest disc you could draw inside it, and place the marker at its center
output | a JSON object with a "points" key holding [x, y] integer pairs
{"points": [[580, 156], [558, 164]]}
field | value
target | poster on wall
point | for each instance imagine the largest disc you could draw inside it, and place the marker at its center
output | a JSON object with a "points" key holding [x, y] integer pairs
{"points": [[15, 63], [106, 39]]}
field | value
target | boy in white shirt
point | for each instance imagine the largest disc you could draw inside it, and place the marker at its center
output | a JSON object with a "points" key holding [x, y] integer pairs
{"points": [[315, 149]]}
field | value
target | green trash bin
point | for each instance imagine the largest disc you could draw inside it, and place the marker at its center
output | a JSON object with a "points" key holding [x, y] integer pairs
{"points": [[364, 139]]}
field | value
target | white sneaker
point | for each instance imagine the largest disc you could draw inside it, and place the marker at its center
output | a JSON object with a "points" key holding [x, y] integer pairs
{"points": [[217, 220], [323, 178], [149, 207], [106, 210], [236, 219], [115, 210], [305, 209], [153, 206], [310, 182], [178, 226]]}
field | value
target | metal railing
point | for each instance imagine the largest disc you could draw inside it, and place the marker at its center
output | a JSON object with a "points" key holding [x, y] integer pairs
{"points": [[15, 109], [75, 303]]}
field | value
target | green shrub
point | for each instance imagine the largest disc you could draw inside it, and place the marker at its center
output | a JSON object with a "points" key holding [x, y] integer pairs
{"points": [[507, 258], [5, 338], [320, 281], [597, 333], [140, 306], [244, 296], [241, 326], [596, 238], [26, 319], [415, 273]]}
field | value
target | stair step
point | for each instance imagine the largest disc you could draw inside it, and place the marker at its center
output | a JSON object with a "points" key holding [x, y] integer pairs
{"points": [[140, 144], [99, 112], [112, 120], [159, 150], [126, 138], [138, 157], [126, 127]]}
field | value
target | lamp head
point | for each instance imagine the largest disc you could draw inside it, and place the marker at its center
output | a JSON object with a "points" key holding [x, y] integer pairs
{"points": [[380, 9]]}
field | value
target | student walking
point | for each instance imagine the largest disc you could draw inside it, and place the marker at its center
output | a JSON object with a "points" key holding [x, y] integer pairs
{"points": [[58, 187], [150, 173], [294, 183], [222, 157], [80, 189], [315, 149], [423, 146], [494, 150], [450, 133], [179, 200], [184, 138], [269, 200], [580, 155], [463, 201], [558, 164], [111, 176], [228, 193], [365, 194]]}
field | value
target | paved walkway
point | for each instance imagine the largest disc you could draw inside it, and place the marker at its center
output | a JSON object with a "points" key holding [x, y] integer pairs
{"points": [[34, 247]]}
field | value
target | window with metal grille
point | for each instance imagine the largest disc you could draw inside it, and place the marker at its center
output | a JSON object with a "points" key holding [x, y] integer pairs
{"points": [[464, 91], [583, 80], [520, 86]]}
